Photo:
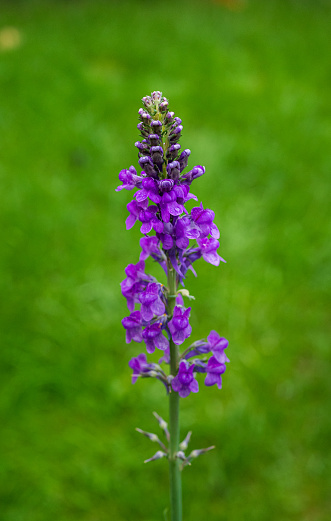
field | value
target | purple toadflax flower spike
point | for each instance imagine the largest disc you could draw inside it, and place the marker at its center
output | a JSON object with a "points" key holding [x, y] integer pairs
{"points": [[175, 238]]}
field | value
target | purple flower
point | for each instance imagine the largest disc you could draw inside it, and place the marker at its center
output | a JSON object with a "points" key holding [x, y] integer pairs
{"points": [[134, 211], [183, 194], [149, 220], [166, 236], [129, 178], [214, 371], [179, 326], [149, 189], [203, 218], [208, 249], [133, 327], [135, 282], [169, 205], [185, 229], [140, 366], [149, 245], [153, 338], [184, 383], [151, 303], [217, 345]]}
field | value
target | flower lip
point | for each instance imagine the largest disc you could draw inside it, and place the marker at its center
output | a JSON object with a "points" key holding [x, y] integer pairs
{"points": [[152, 331], [149, 295], [185, 378], [180, 322]]}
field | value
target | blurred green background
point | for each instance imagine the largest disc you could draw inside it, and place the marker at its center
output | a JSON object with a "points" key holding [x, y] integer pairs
{"points": [[251, 81]]}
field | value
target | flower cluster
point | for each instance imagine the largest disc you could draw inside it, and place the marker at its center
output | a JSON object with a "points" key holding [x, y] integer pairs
{"points": [[175, 238]]}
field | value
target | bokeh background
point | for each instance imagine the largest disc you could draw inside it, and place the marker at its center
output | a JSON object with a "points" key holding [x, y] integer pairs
{"points": [[251, 81]]}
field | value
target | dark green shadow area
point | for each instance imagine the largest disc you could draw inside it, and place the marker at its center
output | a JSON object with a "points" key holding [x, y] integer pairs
{"points": [[251, 82]]}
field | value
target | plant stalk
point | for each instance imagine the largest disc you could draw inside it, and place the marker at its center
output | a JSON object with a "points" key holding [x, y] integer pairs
{"points": [[175, 477]]}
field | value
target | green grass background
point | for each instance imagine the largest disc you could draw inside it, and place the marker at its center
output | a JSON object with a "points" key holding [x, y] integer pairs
{"points": [[251, 82]]}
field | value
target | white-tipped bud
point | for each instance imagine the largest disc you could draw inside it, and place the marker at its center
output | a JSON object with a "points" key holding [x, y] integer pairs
{"points": [[158, 455], [198, 452], [180, 455], [184, 444], [163, 425]]}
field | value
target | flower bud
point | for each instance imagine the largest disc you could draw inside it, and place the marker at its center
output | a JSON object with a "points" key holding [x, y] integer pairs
{"points": [[156, 96], [196, 453], [145, 117], [166, 185], [140, 145], [156, 126], [198, 171], [153, 437], [173, 150], [184, 444], [146, 164], [159, 454], [154, 139], [173, 170], [157, 154], [147, 101], [180, 455], [163, 425], [169, 117], [163, 106], [183, 158]]}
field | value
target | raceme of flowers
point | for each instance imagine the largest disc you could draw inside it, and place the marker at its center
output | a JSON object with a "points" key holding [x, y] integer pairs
{"points": [[171, 235]]}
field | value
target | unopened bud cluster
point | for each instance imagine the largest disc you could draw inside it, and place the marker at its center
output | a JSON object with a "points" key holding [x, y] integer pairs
{"points": [[164, 453]]}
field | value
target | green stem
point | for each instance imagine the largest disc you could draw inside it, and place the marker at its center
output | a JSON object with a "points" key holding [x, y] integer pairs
{"points": [[174, 471]]}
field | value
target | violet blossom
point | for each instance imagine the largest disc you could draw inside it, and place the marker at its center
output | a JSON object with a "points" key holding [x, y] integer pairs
{"points": [[154, 338], [133, 326], [151, 302], [140, 366], [214, 370], [179, 325], [184, 382]]}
